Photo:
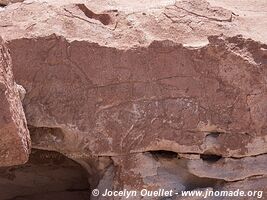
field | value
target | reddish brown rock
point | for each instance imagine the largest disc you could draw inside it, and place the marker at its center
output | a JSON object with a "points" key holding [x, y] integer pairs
{"points": [[6, 2], [162, 97], [14, 135], [111, 83], [153, 79]]}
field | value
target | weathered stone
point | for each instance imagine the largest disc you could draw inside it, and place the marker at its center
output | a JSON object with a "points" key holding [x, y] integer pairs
{"points": [[14, 135], [47, 175], [6, 2], [187, 99], [114, 94], [229, 169], [113, 84], [153, 171], [256, 186]]}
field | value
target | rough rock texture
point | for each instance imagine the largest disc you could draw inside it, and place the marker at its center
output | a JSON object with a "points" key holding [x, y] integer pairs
{"points": [[226, 168], [192, 101], [47, 175], [146, 94], [14, 134], [6, 2], [152, 171]]}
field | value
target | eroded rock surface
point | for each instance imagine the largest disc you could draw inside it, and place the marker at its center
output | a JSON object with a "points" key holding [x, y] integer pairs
{"points": [[6, 2], [207, 100], [47, 175], [146, 94], [14, 134], [226, 168]]}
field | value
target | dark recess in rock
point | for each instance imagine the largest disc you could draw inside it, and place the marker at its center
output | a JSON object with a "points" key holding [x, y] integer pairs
{"points": [[210, 157], [47, 175]]}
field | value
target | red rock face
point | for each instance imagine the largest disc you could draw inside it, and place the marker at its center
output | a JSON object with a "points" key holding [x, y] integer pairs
{"points": [[154, 94], [164, 96], [14, 135]]}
